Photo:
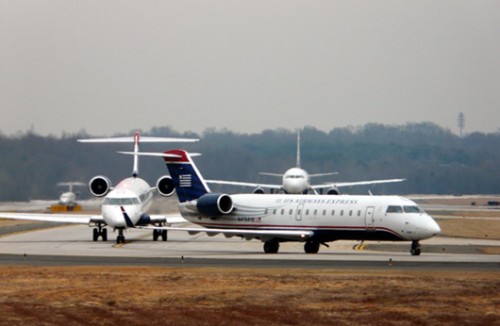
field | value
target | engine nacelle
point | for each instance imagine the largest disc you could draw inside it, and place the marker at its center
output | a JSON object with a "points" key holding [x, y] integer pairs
{"points": [[333, 191], [214, 204], [99, 186], [258, 190], [165, 186]]}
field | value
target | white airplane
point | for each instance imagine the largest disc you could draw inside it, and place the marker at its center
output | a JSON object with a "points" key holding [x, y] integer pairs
{"points": [[124, 206], [297, 181], [312, 219], [68, 198]]}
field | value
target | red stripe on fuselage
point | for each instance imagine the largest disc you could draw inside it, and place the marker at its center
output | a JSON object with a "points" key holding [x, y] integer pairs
{"points": [[294, 227]]}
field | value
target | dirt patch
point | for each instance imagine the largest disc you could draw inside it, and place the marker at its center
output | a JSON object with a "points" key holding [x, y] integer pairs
{"points": [[207, 296]]}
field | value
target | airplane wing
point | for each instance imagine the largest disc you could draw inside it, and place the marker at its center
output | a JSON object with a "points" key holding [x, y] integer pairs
{"points": [[58, 218], [169, 219], [244, 184], [356, 183], [244, 233], [322, 174]]}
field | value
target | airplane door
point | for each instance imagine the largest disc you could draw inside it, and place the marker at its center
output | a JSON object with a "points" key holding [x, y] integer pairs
{"points": [[370, 218], [298, 213]]}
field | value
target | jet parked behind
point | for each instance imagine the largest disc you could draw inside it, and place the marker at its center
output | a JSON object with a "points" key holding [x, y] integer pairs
{"points": [[68, 198], [297, 181], [125, 205], [277, 218]]}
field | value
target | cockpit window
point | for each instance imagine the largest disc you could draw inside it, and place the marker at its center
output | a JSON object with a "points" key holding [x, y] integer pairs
{"points": [[121, 201], [394, 209], [412, 209], [294, 177]]}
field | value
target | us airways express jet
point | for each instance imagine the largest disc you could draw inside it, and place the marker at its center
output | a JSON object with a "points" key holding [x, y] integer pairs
{"points": [[312, 219], [297, 181], [124, 206]]}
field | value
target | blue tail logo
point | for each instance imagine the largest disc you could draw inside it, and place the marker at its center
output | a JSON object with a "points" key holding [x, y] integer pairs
{"points": [[188, 182]]}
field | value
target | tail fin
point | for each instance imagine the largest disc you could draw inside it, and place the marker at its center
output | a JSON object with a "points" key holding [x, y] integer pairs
{"points": [[188, 181], [298, 149], [136, 139]]}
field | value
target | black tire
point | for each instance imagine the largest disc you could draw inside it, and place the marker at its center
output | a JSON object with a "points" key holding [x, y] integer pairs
{"points": [[311, 247], [271, 247], [415, 252], [95, 234], [155, 235], [164, 235], [104, 234]]}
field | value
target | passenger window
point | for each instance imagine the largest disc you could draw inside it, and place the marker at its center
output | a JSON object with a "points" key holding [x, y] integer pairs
{"points": [[359, 213], [291, 211], [324, 212], [307, 212], [342, 213], [315, 212], [333, 212], [350, 213], [282, 211], [274, 212]]}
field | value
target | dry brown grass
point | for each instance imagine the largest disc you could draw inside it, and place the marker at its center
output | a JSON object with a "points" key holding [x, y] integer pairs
{"points": [[470, 228], [207, 296]]}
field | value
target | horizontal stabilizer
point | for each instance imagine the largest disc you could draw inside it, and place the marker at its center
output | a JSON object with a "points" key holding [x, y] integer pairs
{"points": [[142, 140], [158, 154]]}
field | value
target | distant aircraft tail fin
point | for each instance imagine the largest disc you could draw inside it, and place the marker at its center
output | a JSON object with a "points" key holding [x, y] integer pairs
{"points": [[188, 181], [298, 149]]}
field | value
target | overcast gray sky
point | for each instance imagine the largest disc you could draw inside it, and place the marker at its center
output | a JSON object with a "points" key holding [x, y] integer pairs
{"points": [[117, 65]]}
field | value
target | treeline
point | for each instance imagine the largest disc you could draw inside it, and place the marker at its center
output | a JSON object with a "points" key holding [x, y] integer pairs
{"points": [[432, 159]]}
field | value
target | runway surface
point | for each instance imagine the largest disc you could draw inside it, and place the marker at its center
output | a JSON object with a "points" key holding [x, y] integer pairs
{"points": [[72, 245]]}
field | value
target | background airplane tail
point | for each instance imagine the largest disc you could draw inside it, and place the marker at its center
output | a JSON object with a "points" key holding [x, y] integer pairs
{"points": [[188, 182]]}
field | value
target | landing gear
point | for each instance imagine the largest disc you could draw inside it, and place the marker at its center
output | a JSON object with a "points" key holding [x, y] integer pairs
{"points": [[271, 246], [120, 238], [100, 231], [415, 248], [311, 247], [159, 233]]}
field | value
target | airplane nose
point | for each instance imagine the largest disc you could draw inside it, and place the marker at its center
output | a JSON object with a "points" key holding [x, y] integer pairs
{"points": [[431, 227], [113, 217], [434, 227]]}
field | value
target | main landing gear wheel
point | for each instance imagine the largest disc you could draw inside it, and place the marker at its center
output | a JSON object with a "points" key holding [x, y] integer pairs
{"points": [[311, 247], [99, 231], [271, 246], [160, 233], [415, 248]]}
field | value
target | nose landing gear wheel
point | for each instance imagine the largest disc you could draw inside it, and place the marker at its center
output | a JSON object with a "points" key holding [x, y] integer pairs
{"points": [[120, 238], [415, 248]]}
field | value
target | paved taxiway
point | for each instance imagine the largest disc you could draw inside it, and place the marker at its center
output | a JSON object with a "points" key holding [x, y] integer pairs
{"points": [[72, 245]]}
